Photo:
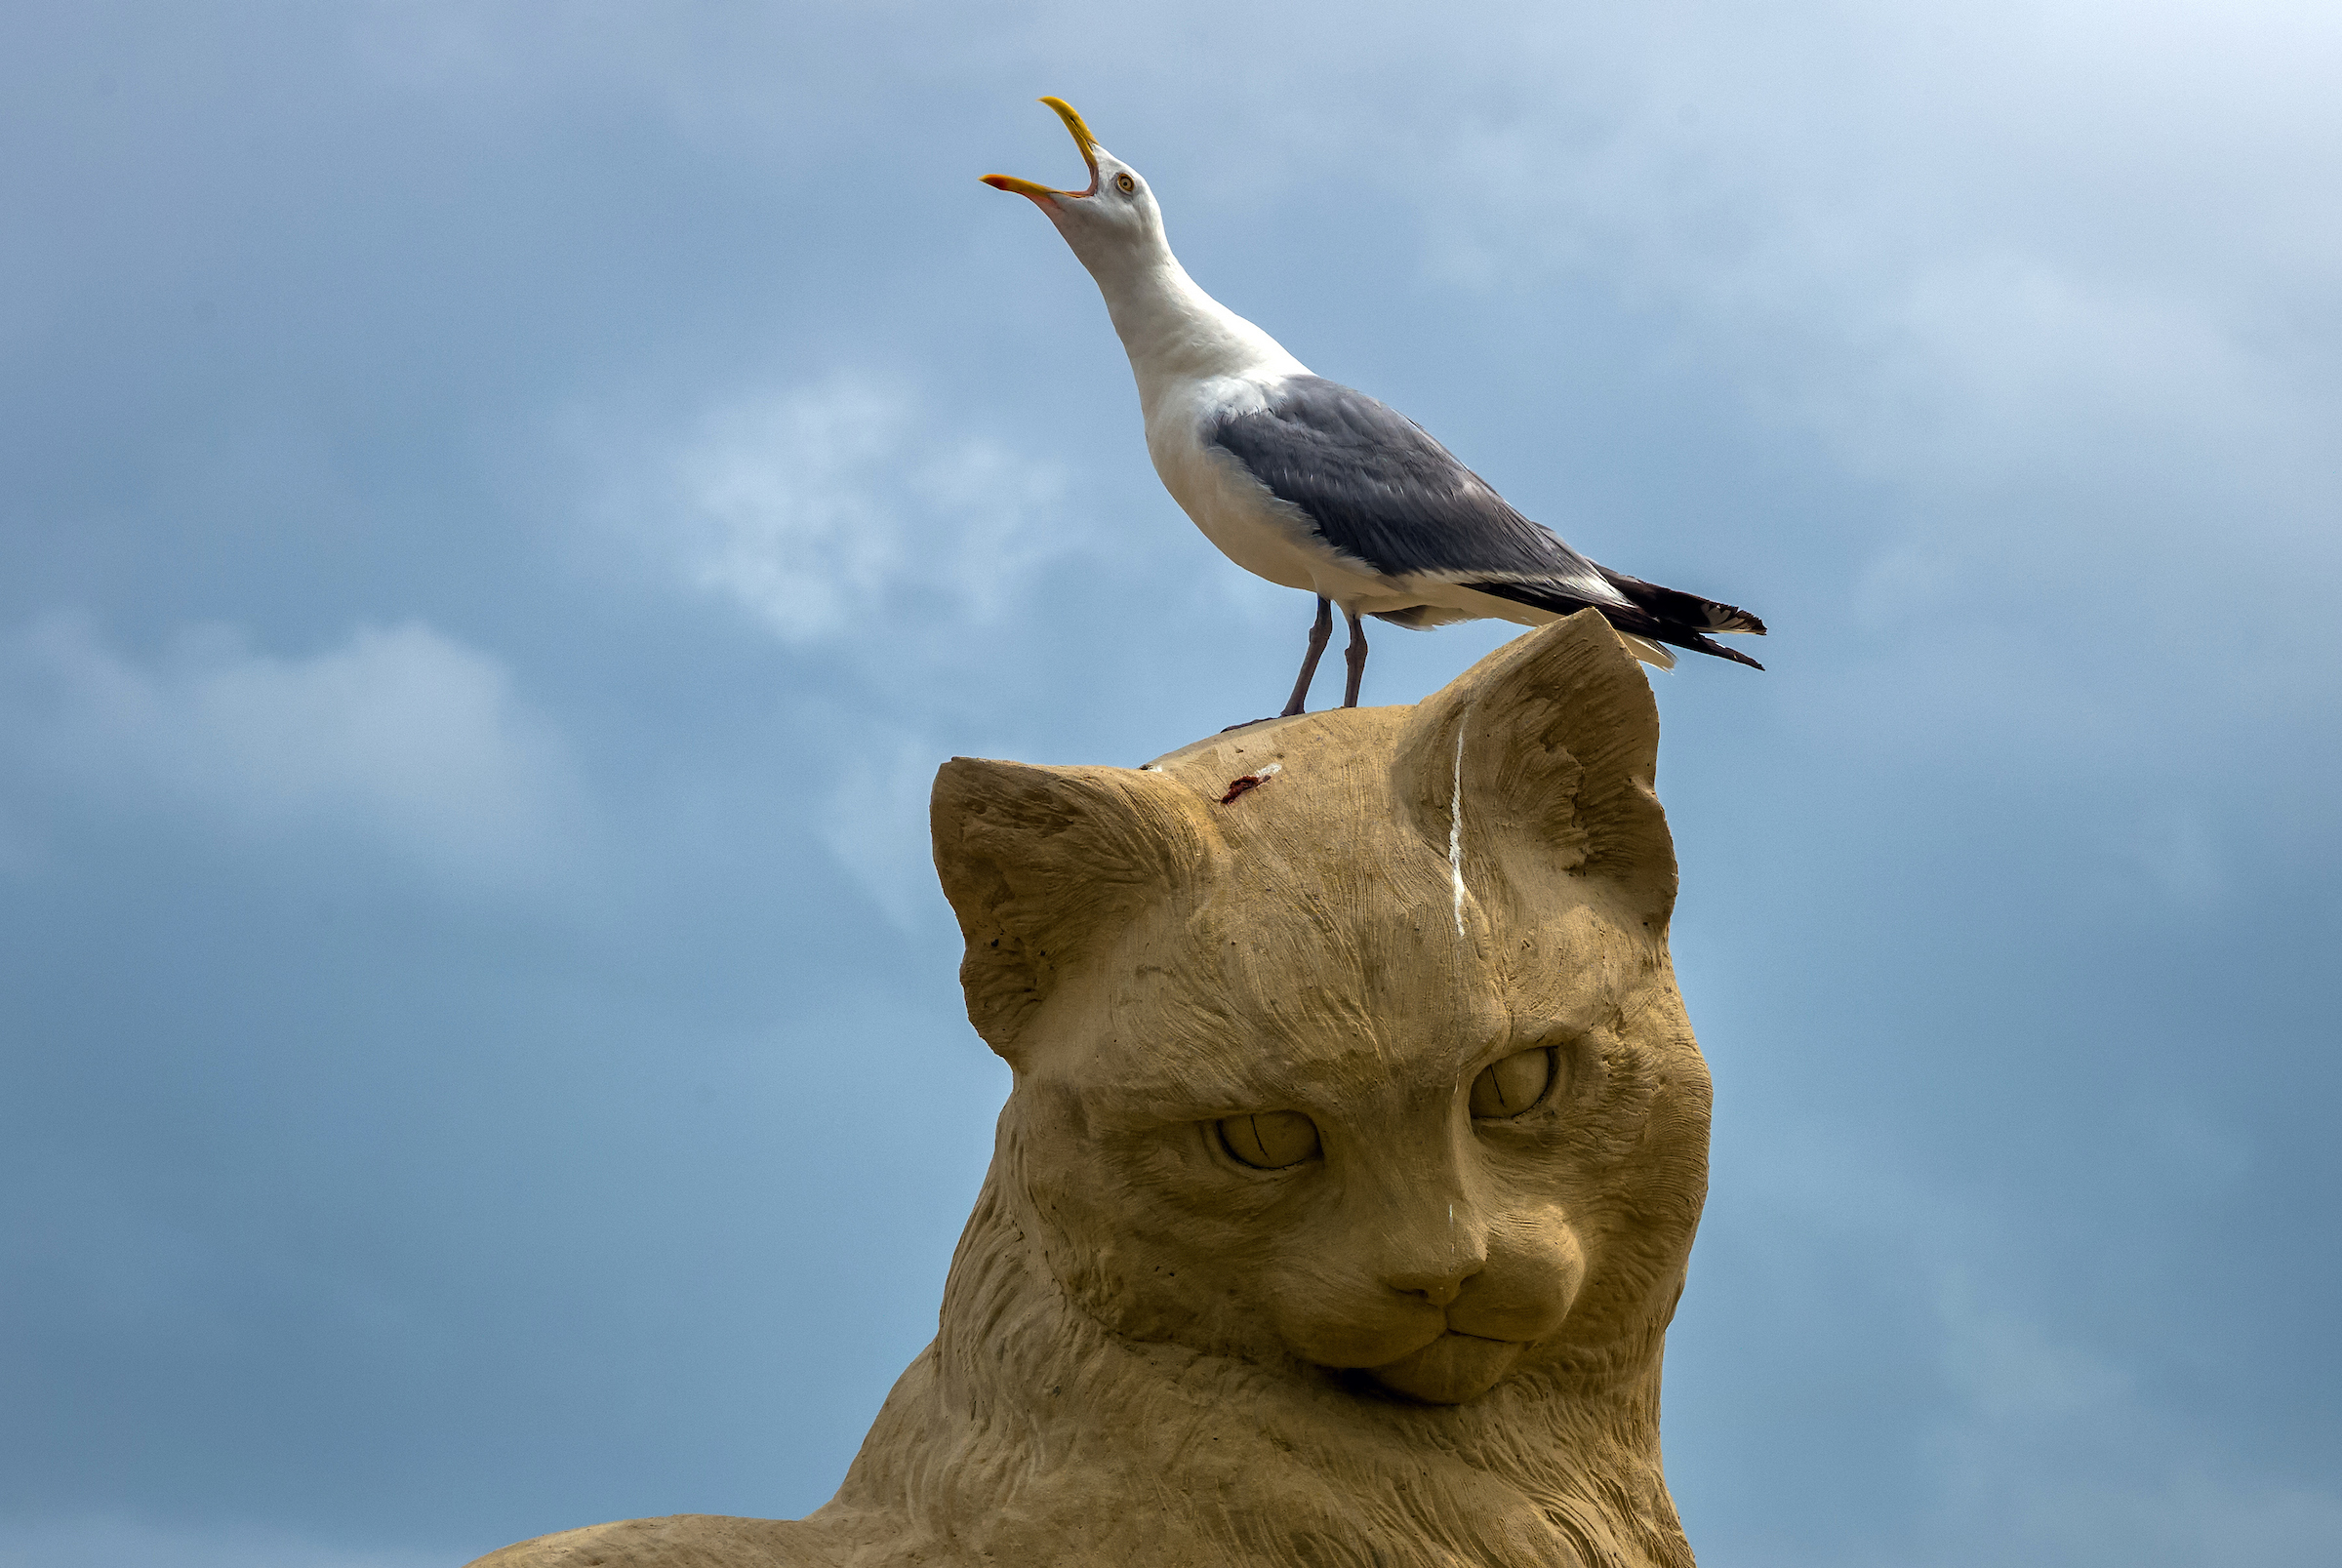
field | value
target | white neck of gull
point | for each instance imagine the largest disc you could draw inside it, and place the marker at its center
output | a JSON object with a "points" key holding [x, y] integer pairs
{"points": [[1175, 333]]}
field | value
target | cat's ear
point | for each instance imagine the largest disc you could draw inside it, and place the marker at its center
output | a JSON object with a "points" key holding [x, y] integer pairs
{"points": [[1044, 865], [1546, 747]]}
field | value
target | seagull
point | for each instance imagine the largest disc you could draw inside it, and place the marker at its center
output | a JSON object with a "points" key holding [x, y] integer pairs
{"points": [[1315, 486]]}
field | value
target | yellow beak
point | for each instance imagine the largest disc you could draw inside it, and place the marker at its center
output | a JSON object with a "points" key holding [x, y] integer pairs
{"points": [[1082, 139]]}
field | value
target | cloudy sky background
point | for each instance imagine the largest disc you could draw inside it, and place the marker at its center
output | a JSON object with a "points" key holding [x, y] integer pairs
{"points": [[508, 505]]}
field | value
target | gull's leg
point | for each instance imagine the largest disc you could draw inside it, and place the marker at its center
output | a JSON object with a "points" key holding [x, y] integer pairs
{"points": [[1320, 634], [1354, 656]]}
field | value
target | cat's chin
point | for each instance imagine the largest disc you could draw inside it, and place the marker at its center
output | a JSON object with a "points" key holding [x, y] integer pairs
{"points": [[1451, 1369]]}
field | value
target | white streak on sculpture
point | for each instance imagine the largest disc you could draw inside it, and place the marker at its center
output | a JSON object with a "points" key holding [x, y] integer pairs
{"points": [[1455, 834]]}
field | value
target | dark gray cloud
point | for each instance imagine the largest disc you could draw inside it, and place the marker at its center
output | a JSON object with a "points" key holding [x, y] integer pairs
{"points": [[507, 514]]}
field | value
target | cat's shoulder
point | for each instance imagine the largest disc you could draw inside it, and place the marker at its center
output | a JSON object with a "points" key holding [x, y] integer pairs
{"points": [[677, 1541]]}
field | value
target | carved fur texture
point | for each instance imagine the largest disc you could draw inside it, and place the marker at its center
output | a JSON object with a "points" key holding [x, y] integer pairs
{"points": [[1427, 948]]}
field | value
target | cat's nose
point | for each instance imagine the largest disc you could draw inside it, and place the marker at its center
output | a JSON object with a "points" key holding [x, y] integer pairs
{"points": [[1430, 1250], [1440, 1284]]}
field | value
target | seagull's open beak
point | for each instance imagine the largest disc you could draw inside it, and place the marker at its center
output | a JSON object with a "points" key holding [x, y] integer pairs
{"points": [[1043, 194]]}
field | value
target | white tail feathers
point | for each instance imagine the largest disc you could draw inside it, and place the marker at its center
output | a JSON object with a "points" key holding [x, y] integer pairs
{"points": [[1649, 652]]}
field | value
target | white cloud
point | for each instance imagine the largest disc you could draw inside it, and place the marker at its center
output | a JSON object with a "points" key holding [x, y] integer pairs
{"points": [[400, 733], [822, 505], [2073, 239], [851, 515], [106, 1542], [874, 817]]}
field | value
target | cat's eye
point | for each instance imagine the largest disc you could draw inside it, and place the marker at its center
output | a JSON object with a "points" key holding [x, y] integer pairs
{"points": [[1267, 1140], [1511, 1086]]}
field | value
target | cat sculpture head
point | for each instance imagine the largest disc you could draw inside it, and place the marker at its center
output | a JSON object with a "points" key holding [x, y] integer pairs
{"points": [[1350, 1169], [1349, 1065]]}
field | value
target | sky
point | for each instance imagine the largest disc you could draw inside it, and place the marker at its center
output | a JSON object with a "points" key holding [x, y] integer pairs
{"points": [[509, 506]]}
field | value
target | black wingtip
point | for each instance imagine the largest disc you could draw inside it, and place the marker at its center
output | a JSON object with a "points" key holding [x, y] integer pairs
{"points": [[1687, 609], [1635, 618], [1709, 645]]}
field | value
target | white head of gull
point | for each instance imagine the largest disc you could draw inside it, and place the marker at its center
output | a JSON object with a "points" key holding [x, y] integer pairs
{"points": [[1319, 487]]}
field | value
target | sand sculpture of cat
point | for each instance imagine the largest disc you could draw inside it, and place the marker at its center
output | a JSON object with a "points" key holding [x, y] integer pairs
{"points": [[1350, 1171]]}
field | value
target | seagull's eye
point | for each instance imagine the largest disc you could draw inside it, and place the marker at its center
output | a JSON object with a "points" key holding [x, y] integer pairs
{"points": [[1125, 184], [1513, 1085], [1267, 1140]]}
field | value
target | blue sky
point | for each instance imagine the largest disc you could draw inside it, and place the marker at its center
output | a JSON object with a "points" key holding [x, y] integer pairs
{"points": [[510, 505]]}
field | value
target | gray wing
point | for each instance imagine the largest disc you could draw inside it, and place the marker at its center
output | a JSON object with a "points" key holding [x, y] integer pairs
{"points": [[1379, 488]]}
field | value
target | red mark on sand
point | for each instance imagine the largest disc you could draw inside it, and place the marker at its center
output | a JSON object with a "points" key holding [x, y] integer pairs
{"points": [[1250, 780]]}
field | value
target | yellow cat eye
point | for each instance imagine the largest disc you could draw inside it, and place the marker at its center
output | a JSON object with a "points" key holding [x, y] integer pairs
{"points": [[1267, 1140], [1511, 1086]]}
